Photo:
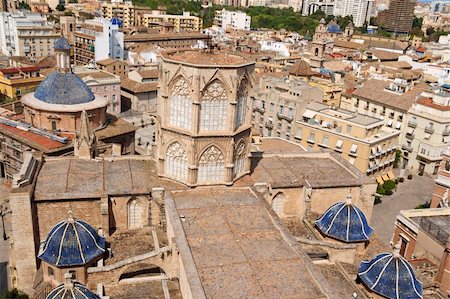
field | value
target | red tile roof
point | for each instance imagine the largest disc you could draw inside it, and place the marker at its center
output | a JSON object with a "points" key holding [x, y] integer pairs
{"points": [[25, 69], [429, 103], [34, 140]]}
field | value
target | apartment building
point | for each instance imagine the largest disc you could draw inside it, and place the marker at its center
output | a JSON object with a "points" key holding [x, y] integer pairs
{"points": [[180, 23], [358, 9], [386, 100], [15, 81], [24, 33], [187, 40], [427, 133], [230, 20], [360, 139], [278, 103], [128, 13], [102, 83], [98, 39], [398, 18]]}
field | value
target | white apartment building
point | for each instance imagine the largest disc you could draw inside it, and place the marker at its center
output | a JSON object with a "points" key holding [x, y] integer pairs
{"points": [[232, 20], [427, 133], [311, 6], [359, 9], [98, 39], [281, 49], [24, 33]]}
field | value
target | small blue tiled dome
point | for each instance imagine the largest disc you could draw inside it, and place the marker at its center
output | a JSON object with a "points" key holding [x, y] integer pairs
{"points": [[391, 276], [62, 44], [71, 243], [346, 222], [334, 28], [63, 88], [116, 21], [74, 290]]}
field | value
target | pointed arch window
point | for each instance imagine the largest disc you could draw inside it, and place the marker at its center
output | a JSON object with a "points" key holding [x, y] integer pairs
{"points": [[134, 214], [214, 108], [175, 164], [211, 167], [239, 159], [180, 106], [241, 106]]}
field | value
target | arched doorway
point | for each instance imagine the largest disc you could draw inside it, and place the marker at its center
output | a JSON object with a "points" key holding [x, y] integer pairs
{"points": [[278, 204]]}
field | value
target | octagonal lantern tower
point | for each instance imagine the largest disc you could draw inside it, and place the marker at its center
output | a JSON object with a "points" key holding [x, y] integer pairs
{"points": [[204, 116]]}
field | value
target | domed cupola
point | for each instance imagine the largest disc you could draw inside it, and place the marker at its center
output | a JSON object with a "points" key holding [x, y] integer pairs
{"points": [[346, 222], [62, 86], [71, 242], [116, 21], [390, 275], [71, 290], [333, 27]]}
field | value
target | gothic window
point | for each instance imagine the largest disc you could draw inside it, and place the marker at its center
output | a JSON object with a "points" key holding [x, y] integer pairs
{"points": [[180, 105], [134, 214], [214, 106], [176, 166], [278, 204], [211, 167], [239, 159], [241, 107]]}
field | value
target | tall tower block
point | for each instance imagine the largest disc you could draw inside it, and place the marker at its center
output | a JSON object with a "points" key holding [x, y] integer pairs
{"points": [[204, 116]]}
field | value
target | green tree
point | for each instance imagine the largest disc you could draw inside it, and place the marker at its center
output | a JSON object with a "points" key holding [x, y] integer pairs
{"points": [[429, 31], [417, 22], [24, 5], [416, 31], [60, 7]]}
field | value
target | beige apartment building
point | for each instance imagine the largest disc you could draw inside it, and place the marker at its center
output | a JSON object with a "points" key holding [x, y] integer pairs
{"points": [[128, 13], [385, 100], [278, 103], [427, 134], [181, 23], [360, 139]]}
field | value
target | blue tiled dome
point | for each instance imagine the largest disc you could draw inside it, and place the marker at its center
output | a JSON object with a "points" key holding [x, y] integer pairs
{"points": [[391, 276], [63, 88], [345, 222], [62, 44], [72, 243], [74, 291], [116, 21], [334, 28]]}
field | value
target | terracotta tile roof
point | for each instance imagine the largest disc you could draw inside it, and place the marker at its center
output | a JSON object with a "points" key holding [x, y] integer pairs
{"points": [[349, 45], [206, 58], [106, 61], [47, 62], [375, 91], [397, 64], [137, 87], [301, 68], [35, 141], [116, 127], [429, 103], [148, 74], [385, 55], [13, 70]]}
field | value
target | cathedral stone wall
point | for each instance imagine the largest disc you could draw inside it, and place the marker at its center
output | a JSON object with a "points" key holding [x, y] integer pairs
{"points": [[204, 115]]}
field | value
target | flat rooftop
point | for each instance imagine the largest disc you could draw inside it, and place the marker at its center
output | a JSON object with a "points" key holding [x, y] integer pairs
{"points": [[239, 250], [320, 170], [206, 57], [277, 145], [72, 178], [436, 226]]}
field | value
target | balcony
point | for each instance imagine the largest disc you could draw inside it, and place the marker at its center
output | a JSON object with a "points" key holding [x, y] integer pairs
{"points": [[407, 148], [429, 130], [259, 109], [269, 125], [285, 117], [446, 132], [409, 136], [430, 153], [412, 124]]}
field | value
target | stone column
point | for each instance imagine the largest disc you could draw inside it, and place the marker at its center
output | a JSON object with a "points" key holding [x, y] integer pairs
{"points": [[104, 210], [157, 207]]}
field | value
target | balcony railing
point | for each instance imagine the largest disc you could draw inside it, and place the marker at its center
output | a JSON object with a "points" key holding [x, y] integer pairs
{"points": [[412, 124], [407, 147], [429, 130], [259, 109], [446, 132], [285, 117], [269, 125], [409, 136]]}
